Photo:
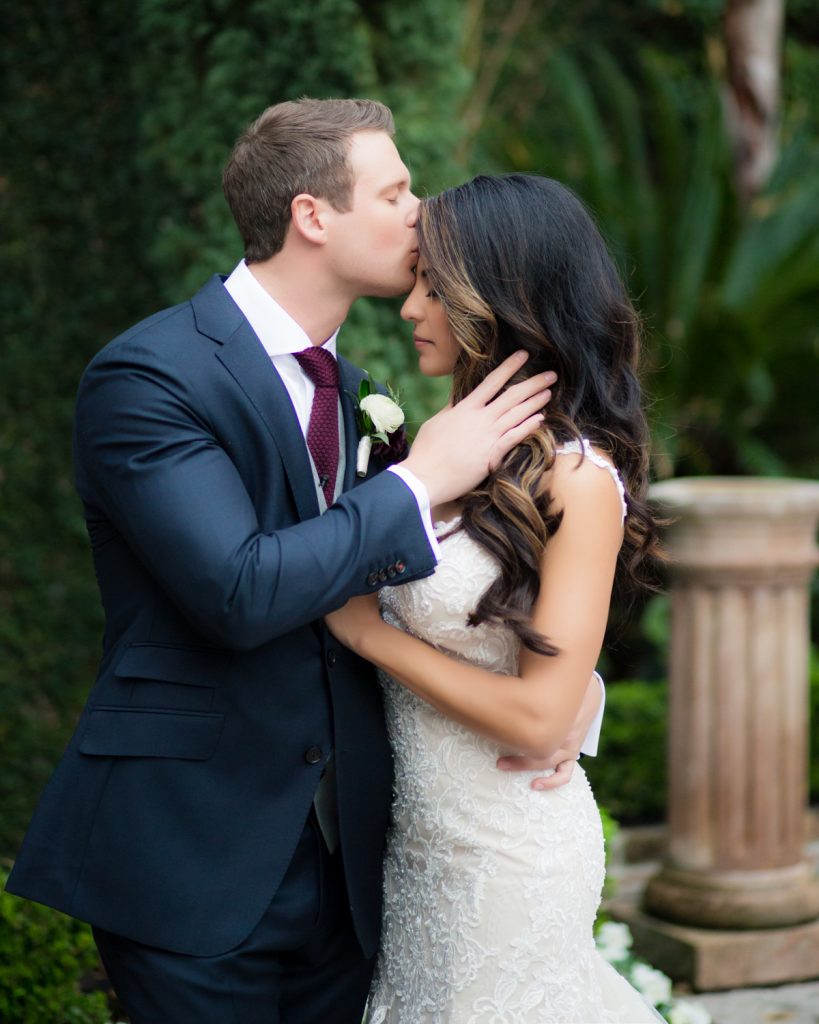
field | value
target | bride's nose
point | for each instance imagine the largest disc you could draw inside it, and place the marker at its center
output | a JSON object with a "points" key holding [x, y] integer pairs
{"points": [[408, 311]]}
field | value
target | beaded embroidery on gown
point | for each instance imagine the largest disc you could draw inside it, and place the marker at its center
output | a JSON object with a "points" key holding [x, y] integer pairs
{"points": [[490, 888]]}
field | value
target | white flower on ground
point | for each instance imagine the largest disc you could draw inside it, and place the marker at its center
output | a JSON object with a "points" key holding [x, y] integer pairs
{"points": [[683, 1012], [653, 984], [614, 941], [386, 414]]}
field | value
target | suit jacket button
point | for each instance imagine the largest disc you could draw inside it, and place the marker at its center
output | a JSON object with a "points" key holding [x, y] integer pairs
{"points": [[391, 571], [400, 568], [382, 576], [331, 658], [372, 579], [313, 755]]}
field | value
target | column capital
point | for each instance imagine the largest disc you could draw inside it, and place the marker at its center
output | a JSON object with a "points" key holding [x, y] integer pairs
{"points": [[746, 527]]}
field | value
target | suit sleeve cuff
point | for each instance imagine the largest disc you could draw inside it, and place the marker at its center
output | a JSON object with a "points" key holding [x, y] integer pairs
{"points": [[419, 492], [592, 739]]}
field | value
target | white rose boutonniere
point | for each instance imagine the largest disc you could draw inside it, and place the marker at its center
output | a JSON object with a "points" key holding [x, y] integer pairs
{"points": [[379, 419], [385, 413]]}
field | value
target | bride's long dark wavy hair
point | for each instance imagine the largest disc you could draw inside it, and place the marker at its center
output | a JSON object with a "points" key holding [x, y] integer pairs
{"points": [[518, 263]]}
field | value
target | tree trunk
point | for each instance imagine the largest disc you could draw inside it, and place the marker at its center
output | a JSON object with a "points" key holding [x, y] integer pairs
{"points": [[753, 43]]}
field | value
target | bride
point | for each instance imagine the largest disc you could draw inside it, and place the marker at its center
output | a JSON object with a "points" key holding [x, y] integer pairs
{"points": [[491, 890]]}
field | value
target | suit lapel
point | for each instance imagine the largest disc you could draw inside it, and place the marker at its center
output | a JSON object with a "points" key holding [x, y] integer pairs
{"points": [[349, 379], [218, 317], [243, 356]]}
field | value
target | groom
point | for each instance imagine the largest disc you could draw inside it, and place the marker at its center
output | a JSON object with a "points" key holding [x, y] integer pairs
{"points": [[219, 814]]}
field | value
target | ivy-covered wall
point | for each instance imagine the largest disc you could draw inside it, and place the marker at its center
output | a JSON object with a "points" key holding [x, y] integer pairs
{"points": [[117, 120]]}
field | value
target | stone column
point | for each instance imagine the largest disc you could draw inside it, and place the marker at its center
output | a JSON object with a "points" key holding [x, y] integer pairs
{"points": [[743, 551]]}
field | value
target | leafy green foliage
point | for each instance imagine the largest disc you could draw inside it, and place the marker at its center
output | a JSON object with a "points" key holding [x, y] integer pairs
{"points": [[72, 276], [729, 297], [44, 957]]}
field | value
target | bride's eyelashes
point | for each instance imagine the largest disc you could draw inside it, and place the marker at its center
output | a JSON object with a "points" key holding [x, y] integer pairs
{"points": [[431, 294]]}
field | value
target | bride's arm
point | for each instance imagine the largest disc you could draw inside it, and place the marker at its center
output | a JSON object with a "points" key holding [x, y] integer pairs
{"points": [[532, 712]]}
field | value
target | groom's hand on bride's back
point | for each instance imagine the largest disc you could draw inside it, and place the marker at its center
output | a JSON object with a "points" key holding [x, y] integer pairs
{"points": [[458, 447]]}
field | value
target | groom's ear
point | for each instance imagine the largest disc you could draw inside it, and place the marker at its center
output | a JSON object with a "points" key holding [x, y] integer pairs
{"points": [[309, 216]]}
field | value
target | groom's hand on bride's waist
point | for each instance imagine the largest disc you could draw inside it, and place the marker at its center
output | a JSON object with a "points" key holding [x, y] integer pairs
{"points": [[562, 761]]}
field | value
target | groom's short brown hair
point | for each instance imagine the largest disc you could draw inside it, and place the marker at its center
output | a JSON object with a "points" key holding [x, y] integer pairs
{"points": [[297, 146]]}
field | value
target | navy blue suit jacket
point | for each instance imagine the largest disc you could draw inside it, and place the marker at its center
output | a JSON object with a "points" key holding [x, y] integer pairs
{"points": [[175, 809]]}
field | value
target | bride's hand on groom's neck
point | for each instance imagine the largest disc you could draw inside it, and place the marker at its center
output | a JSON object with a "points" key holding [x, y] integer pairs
{"points": [[456, 449]]}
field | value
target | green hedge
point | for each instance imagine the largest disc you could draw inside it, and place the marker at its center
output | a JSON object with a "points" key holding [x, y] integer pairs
{"points": [[44, 959], [629, 774], [117, 120]]}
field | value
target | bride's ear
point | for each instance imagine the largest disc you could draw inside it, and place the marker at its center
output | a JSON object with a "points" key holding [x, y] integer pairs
{"points": [[309, 217]]}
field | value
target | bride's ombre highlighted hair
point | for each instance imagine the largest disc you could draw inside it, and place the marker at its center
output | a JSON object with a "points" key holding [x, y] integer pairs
{"points": [[518, 263]]}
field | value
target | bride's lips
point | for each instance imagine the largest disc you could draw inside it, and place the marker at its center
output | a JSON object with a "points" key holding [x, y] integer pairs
{"points": [[420, 342]]}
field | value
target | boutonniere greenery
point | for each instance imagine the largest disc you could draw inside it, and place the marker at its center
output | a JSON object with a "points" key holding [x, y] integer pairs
{"points": [[380, 420]]}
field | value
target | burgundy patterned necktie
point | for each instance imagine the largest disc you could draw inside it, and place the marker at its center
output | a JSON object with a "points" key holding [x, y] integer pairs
{"points": [[322, 431]]}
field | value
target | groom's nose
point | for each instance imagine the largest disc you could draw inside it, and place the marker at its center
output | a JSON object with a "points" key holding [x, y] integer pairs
{"points": [[412, 218]]}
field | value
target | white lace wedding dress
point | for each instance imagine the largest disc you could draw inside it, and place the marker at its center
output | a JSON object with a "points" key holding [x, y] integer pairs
{"points": [[491, 888]]}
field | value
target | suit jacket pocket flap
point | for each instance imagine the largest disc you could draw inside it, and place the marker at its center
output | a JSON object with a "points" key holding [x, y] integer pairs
{"points": [[193, 666], [131, 732]]}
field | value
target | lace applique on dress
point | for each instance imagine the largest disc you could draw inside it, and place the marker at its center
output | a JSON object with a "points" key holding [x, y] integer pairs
{"points": [[490, 888]]}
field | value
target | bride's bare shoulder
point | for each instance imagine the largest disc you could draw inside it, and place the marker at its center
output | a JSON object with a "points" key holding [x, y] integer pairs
{"points": [[586, 482]]}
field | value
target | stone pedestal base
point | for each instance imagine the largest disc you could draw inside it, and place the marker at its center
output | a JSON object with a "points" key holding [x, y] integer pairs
{"points": [[779, 897], [709, 959]]}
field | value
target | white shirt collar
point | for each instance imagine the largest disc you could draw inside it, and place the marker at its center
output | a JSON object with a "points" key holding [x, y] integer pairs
{"points": [[276, 329]]}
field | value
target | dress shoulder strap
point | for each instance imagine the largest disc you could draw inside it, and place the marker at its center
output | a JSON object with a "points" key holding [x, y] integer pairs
{"points": [[574, 448]]}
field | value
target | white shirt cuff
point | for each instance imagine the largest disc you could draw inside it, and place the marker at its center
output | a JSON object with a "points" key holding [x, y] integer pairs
{"points": [[593, 735], [419, 492]]}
